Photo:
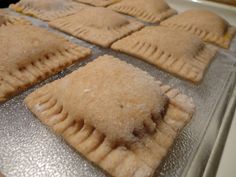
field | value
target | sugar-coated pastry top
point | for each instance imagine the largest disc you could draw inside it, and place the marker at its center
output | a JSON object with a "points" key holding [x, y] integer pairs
{"points": [[175, 42], [27, 44], [101, 18], [154, 6], [116, 98], [46, 5], [202, 19]]}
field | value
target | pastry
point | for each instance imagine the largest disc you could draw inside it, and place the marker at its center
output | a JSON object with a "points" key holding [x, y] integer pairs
{"points": [[152, 11], [98, 3], [47, 9], [182, 54], [206, 24], [97, 25], [7, 19], [116, 115], [30, 54]]}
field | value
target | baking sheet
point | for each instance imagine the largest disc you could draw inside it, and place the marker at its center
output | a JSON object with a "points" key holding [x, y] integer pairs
{"points": [[28, 148]]}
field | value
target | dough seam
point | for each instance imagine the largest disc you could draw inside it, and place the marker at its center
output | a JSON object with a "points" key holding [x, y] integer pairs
{"points": [[15, 81], [12, 20], [96, 3], [47, 16], [142, 157], [192, 70], [222, 41], [95, 35], [143, 15]]}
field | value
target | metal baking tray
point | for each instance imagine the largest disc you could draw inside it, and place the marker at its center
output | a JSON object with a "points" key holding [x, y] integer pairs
{"points": [[28, 148]]}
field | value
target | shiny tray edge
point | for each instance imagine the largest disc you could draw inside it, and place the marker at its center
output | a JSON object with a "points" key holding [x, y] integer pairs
{"points": [[204, 165], [215, 157], [210, 3], [215, 4]]}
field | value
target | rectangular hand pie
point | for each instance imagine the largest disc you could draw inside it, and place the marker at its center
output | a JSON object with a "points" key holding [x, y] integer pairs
{"points": [[182, 54], [30, 54], [97, 25], [47, 9], [7, 19], [207, 25], [152, 11], [98, 3], [116, 115]]}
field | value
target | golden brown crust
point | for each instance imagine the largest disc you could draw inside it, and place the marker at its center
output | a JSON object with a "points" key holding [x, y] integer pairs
{"points": [[147, 10], [36, 55], [174, 51], [47, 10], [7, 19], [138, 158], [98, 3], [208, 26], [97, 25]]}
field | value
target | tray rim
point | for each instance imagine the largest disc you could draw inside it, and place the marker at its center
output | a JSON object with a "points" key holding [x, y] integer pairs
{"points": [[186, 171], [207, 167]]}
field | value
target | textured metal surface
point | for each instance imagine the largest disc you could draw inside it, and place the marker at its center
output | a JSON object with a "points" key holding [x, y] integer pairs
{"points": [[28, 148]]}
